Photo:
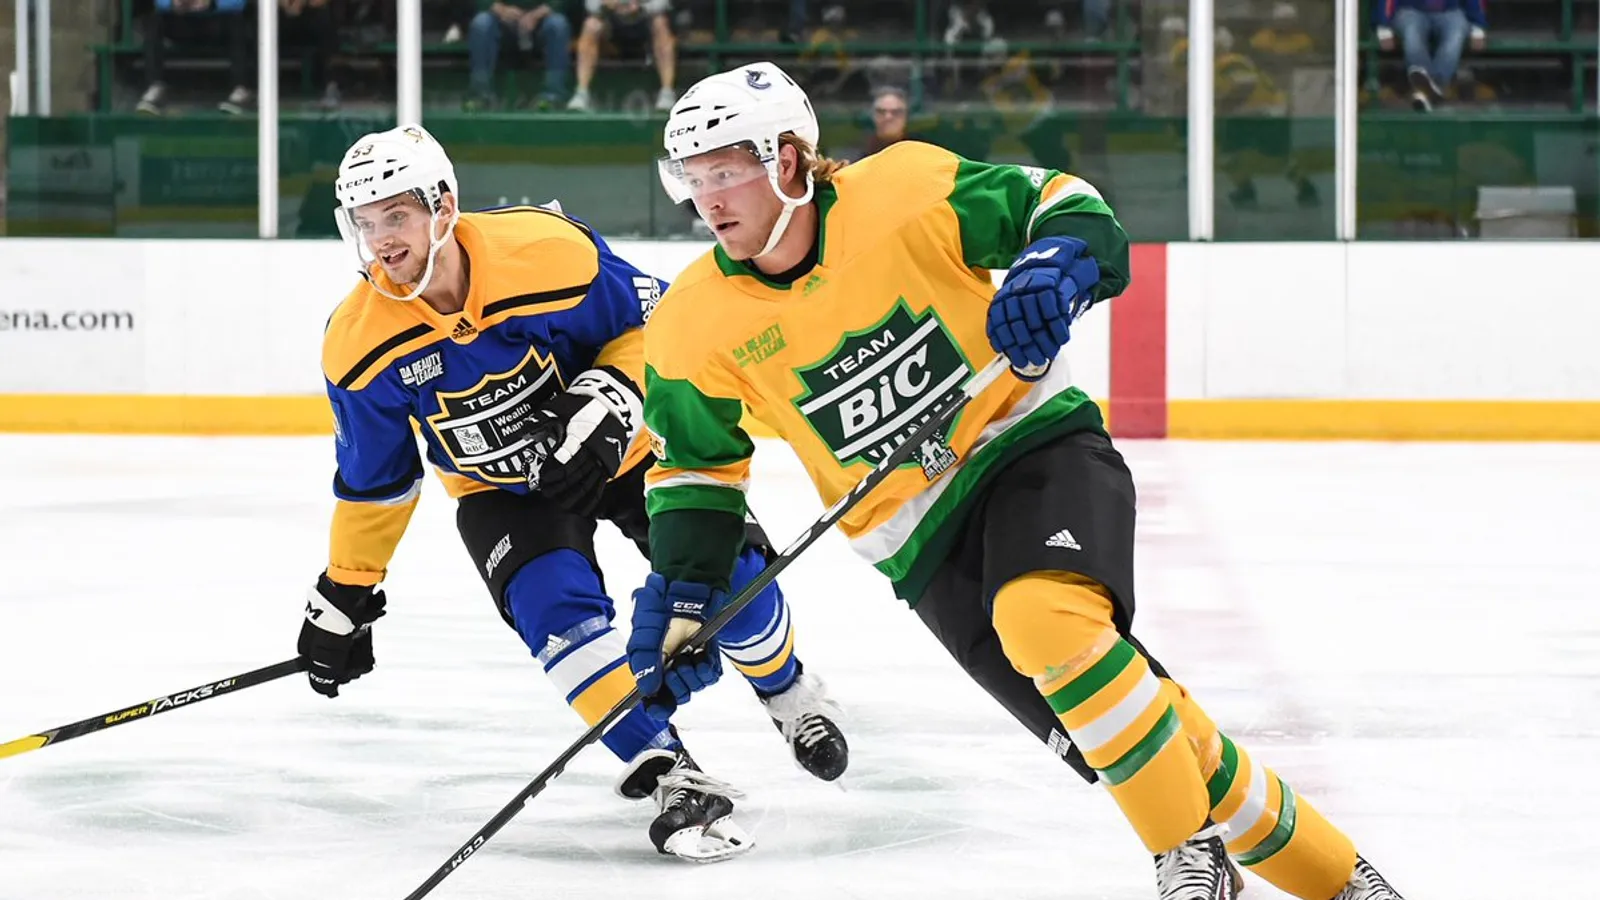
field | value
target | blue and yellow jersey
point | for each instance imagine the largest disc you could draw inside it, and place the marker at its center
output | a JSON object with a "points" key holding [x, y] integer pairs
{"points": [[546, 301]]}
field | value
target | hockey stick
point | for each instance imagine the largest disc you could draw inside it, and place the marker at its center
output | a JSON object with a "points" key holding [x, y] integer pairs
{"points": [[150, 707], [941, 417]]}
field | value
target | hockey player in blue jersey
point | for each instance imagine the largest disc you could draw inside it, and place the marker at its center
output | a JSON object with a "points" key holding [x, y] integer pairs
{"points": [[513, 339]]}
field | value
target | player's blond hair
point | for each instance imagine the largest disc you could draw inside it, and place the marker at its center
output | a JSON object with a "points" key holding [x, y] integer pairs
{"points": [[822, 168]]}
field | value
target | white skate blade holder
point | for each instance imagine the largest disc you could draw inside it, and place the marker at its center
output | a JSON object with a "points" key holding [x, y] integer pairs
{"points": [[722, 839]]}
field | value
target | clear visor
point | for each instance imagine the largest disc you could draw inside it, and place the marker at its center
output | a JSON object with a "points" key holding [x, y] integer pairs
{"points": [[368, 226], [402, 221], [705, 174]]}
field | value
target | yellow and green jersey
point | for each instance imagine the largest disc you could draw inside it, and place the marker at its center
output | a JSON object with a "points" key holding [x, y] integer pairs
{"points": [[850, 358]]}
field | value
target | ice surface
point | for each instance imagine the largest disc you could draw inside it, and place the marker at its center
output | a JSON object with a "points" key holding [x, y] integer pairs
{"points": [[1409, 634]]}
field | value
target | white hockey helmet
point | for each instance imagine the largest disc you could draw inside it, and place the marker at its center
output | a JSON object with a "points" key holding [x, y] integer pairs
{"points": [[401, 161], [751, 106]]}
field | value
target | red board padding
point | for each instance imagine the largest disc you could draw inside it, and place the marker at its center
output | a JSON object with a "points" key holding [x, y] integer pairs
{"points": [[1139, 348]]}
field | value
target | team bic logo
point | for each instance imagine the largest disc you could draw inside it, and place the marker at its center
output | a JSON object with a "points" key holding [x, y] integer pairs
{"points": [[481, 427], [879, 384]]}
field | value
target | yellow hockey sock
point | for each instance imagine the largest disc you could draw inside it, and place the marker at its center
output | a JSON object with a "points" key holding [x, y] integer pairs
{"points": [[1273, 831], [1056, 628]]}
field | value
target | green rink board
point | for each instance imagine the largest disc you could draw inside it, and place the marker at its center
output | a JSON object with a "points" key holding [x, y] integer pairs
{"points": [[135, 176]]}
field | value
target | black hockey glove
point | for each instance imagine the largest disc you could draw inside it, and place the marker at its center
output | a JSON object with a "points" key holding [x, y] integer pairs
{"points": [[335, 640], [580, 437]]}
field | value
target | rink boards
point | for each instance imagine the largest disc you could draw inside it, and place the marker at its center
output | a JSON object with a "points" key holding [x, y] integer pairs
{"points": [[1428, 341]]}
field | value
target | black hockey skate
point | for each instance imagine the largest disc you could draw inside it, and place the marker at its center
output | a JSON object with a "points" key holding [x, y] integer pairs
{"points": [[805, 716], [1198, 869], [1366, 884], [695, 819]]}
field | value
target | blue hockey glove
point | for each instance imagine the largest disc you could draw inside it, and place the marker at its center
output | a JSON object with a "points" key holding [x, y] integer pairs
{"points": [[665, 615], [1045, 291]]}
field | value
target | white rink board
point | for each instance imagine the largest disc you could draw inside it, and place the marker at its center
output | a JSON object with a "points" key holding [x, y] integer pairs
{"points": [[241, 318], [1416, 321], [1464, 320]]}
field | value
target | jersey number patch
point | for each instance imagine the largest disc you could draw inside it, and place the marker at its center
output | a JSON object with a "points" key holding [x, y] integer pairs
{"points": [[880, 383]]}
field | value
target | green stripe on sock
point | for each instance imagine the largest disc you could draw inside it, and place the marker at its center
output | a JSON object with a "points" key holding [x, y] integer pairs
{"points": [[1131, 762], [1090, 682], [1279, 837], [1222, 779]]}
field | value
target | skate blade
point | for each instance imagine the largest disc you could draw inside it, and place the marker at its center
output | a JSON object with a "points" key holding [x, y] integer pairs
{"points": [[722, 839]]}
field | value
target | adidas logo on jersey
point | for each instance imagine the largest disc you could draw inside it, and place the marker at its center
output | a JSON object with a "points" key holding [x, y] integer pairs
{"points": [[464, 330], [1064, 540], [649, 291]]}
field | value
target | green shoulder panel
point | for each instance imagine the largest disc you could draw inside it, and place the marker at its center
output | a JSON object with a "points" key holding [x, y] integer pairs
{"points": [[1003, 208], [690, 429], [1108, 244]]}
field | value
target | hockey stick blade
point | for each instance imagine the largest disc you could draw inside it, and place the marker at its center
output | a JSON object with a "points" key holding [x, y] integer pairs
{"points": [[150, 708], [942, 415]]}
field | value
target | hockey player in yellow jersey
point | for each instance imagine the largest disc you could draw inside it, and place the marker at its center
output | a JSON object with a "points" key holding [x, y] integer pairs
{"points": [[839, 304], [512, 339]]}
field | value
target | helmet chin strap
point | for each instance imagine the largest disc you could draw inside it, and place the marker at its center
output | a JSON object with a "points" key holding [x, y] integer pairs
{"points": [[427, 273], [790, 204]]}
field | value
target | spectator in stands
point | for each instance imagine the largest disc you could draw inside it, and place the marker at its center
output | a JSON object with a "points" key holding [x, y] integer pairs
{"points": [[302, 23], [1430, 69], [890, 114], [636, 28], [1096, 18], [1283, 43], [189, 18], [497, 24], [969, 21], [461, 13], [1279, 48], [794, 31], [825, 65]]}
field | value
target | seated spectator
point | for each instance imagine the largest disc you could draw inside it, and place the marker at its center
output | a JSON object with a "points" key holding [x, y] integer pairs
{"points": [[794, 30], [1430, 69], [1283, 39], [825, 62], [1096, 18], [460, 15], [498, 24], [890, 114], [637, 28], [301, 23], [189, 19], [969, 21]]}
